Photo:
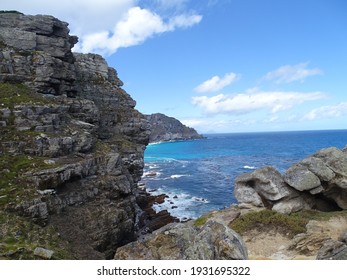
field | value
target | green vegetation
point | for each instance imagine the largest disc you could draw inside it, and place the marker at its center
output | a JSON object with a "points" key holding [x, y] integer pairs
{"points": [[202, 220], [15, 94], [12, 186], [101, 147], [19, 237], [267, 219], [290, 224]]}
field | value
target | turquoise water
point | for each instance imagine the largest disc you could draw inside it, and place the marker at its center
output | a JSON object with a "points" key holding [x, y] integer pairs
{"points": [[198, 175]]}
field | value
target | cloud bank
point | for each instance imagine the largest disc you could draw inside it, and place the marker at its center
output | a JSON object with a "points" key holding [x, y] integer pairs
{"points": [[249, 102]]}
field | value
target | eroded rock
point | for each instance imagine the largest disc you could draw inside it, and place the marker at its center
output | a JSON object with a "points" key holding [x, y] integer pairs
{"points": [[317, 182], [213, 241]]}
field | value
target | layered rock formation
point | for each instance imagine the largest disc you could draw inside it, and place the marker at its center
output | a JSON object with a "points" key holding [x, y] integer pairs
{"points": [[317, 182], [72, 143], [164, 128]]}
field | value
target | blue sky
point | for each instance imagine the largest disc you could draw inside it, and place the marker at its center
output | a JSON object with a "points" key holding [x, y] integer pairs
{"points": [[220, 65]]}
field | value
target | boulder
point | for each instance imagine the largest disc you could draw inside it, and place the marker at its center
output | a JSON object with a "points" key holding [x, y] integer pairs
{"points": [[317, 182], [300, 178], [294, 204], [43, 253], [262, 187], [212, 241]]}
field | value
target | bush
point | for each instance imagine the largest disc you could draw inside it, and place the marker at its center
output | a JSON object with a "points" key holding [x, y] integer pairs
{"points": [[266, 219]]}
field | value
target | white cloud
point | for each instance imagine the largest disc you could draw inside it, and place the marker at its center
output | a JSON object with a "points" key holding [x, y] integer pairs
{"points": [[331, 111], [83, 16], [103, 26], [290, 73], [137, 25], [245, 103], [217, 83]]}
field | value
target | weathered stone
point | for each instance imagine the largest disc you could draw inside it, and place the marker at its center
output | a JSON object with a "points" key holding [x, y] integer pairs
{"points": [[333, 250], [246, 194], [262, 187], [300, 178], [317, 182], [293, 205], [343, 237], [43, 253], [214, 240], [335, 159], [319, 168]]}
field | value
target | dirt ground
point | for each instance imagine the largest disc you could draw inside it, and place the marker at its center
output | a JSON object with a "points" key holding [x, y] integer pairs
{"points": [[276, 246]]}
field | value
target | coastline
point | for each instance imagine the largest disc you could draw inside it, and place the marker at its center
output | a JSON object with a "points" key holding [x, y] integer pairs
{"points": [[274, 222]]}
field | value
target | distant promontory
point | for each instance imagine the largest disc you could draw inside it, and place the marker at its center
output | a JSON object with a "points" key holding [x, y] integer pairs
{"points": [[164, 128]]}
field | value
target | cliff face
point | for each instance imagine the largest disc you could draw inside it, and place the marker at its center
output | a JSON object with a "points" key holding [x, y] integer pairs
{"points": [[164, 128], [72, 145]]}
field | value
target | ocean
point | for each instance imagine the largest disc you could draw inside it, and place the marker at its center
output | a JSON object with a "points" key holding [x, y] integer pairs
{"points": [[198, 176]]}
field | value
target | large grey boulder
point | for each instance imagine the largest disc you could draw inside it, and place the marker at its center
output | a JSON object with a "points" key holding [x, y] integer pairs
{"points": [[262, 187], [300, 178], [213, 241], [317, 182]]}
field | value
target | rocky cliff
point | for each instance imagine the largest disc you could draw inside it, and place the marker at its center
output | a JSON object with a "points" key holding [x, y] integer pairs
{"points": [[72, 145], [164, 128]]}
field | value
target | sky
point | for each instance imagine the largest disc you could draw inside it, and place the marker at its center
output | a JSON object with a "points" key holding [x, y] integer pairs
{"points": [[219, 65]]}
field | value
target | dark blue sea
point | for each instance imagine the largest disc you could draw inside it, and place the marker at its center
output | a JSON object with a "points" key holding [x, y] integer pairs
{"points": [[198, 176]]}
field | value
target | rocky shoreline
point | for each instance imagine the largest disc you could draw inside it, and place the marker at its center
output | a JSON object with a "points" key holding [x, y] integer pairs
{"points": [[278, 217], [72, 155], [149, 219]]}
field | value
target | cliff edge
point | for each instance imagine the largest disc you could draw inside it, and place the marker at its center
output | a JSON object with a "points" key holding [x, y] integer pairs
{"points": [[72, 146]]}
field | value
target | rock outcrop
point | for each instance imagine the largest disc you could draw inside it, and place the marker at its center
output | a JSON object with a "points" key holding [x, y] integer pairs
{"points": [[209, 238], [334, 249], [164, 128], [72, 143], [317, 182]]}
